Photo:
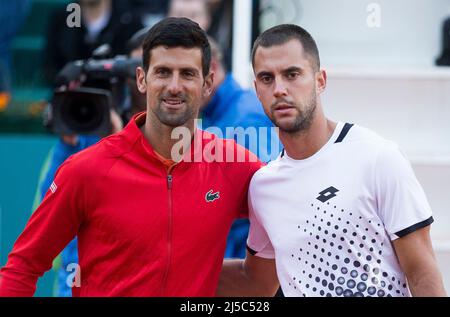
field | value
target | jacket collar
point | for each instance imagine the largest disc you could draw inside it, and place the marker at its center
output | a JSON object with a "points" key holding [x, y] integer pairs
{"points": [[134, 135]]}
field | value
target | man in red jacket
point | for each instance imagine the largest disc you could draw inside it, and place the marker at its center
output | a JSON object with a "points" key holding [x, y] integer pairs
{"points": [[150, 220]]}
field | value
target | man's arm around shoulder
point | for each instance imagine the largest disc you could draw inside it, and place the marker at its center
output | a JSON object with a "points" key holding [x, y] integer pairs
{"points": [[252, 277]]}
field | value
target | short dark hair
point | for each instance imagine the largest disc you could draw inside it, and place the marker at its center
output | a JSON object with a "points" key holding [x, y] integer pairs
{"points": [[282, 34], [177, 32]]}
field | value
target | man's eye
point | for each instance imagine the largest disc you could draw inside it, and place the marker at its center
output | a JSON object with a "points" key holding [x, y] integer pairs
{"points": [[188, 74], [293, 75], [266, 79], [162, 72]]}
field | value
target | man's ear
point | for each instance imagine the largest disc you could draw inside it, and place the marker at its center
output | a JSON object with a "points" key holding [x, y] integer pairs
{"points": [[208, 85], [214, 65], [141, 80], [321, 78], [256, 88]]}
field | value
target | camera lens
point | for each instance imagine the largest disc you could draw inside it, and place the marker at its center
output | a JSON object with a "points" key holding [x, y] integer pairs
{"points": [[82, 113]]}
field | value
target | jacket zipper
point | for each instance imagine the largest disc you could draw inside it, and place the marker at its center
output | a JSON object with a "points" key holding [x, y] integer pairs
{"points": [[169, 232]]}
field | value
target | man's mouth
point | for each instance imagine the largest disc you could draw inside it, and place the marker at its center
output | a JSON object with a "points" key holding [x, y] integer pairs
{"points": [[283, 108], [173, 103]]}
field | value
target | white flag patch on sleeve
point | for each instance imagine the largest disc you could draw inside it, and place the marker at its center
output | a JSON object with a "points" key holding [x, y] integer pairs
{"points": [[53, 187]]}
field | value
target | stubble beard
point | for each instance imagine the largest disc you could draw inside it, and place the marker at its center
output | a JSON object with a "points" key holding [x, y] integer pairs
{"points": [[177, 119], [303, 120]]}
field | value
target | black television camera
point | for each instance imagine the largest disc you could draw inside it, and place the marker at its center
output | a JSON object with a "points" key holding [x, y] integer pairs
{"points": [[87, 91]]}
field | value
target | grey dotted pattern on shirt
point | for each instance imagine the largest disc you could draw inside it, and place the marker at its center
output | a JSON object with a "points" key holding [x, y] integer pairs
{"points": [[331, 274]]}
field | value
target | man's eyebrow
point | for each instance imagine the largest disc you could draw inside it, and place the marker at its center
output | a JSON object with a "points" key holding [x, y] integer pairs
{"points": [[159, 67], [263, 73], [292, 69], [182, 69], [190, 69], [284, 71]]}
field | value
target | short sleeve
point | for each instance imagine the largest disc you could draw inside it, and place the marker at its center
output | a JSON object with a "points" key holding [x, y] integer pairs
{"points": [[402, 203], [258, 241]]}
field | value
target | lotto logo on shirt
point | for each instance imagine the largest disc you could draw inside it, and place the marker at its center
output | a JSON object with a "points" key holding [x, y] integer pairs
{"points": [[327, 194]]}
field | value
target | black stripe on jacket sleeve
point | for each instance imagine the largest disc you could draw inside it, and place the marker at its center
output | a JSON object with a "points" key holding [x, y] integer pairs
{"points": [[415, 227], [251, 251]]}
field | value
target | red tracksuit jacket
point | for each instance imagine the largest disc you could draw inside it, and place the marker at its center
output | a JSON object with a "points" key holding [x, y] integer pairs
{"points": [[142, 231]]}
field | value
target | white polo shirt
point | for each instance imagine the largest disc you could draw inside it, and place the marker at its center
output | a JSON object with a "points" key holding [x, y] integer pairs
{"points": [[329, 220]]}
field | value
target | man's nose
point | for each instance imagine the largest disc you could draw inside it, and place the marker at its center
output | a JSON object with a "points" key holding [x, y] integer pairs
{"points": [[280, 88], [174, 87]]}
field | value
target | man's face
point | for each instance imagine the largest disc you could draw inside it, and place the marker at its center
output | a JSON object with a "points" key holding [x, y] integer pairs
{"points": [[174, 84], [195, 10], [287, 85]]}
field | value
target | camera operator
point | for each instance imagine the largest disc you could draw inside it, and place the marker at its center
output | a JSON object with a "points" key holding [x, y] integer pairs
{"points": [[68, 145], [102, 22]]}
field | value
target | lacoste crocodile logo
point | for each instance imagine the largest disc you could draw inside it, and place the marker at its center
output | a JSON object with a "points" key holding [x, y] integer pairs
{"points": [[210, 196]]}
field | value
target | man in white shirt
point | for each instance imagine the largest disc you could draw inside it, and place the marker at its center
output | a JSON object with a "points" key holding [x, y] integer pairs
{"points": [[340, 211]]}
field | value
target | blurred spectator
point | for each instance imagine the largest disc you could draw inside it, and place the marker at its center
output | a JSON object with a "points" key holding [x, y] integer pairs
{"points": [[444, 59], [69, 145], [150, 11], [102, 22], [196, 10], [221, 28], [12, 14], [136, 101], [213, 16], [232, 106]]}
